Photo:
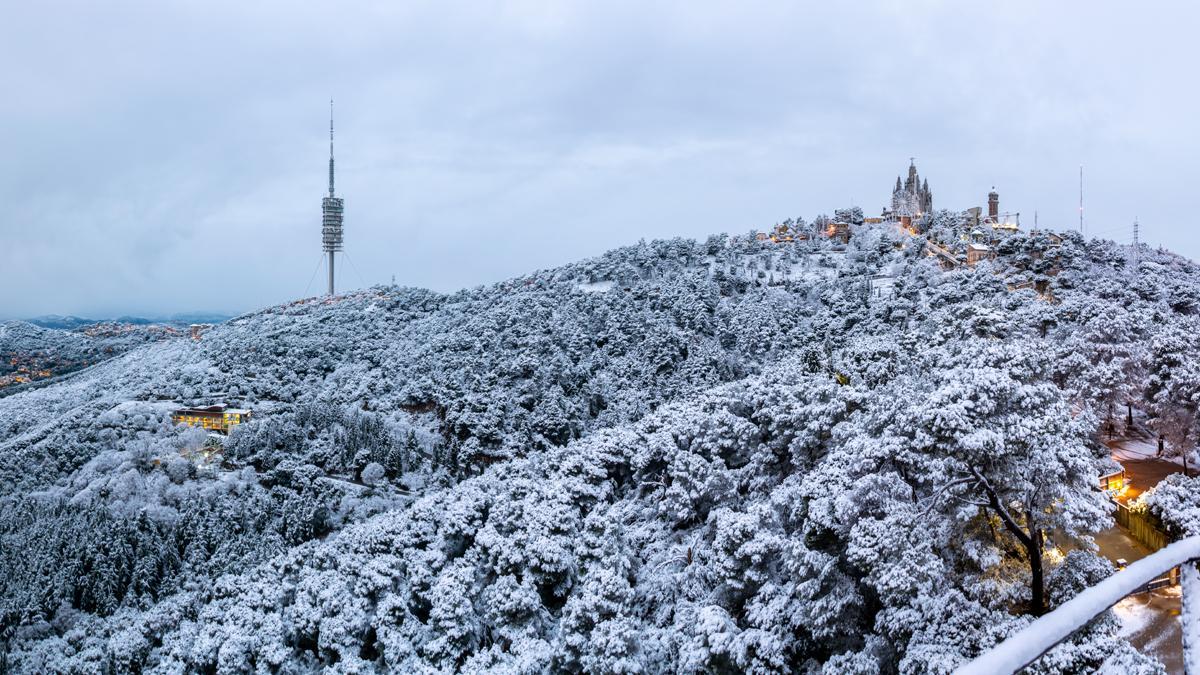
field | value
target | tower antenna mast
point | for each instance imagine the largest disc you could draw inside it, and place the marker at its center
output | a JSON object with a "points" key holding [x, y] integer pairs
{"points": [[331, 211], [1136, 251], [330, 147]]}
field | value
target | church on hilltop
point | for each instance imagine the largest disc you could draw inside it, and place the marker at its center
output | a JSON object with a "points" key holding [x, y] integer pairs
{"points": [[912, 199]]}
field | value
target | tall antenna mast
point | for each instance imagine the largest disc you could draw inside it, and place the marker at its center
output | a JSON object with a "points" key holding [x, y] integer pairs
{"points": [[331, 211], [330, 147], [1136, 251]]}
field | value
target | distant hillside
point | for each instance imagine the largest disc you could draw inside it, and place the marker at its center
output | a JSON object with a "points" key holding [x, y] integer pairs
{"points": [[50, 346], [75, 322], [719, 456], [30, 353], [60, 322], [21, 336]]}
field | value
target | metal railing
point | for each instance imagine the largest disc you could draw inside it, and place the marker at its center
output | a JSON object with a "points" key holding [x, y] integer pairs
{"points": [[1039, 637]]}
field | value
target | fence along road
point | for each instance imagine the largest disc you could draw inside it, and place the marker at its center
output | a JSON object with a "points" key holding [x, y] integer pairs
{"points": [[1039, 637]]}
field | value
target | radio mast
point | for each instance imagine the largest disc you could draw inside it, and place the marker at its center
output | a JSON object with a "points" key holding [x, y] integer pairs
{"points": [[1136, 249], [331, 211]]}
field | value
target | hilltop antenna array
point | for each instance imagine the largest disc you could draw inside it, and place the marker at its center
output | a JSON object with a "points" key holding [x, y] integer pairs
{"points": [[331, 211], [1136, 252]]}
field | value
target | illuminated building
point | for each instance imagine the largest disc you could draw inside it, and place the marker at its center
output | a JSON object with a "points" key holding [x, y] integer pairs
{"points": [[977, 252], [214, 417], [911, 199]]}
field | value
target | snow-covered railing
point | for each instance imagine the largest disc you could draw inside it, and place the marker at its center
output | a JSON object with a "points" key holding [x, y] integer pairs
{"points": [[946, 255], [1039, 637]]}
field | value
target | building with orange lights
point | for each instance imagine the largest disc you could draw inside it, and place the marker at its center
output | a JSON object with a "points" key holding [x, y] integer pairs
{"points": [[214, 417]]}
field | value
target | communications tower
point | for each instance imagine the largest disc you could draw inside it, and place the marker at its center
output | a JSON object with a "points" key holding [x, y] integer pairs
{"points": [[331, 211]]}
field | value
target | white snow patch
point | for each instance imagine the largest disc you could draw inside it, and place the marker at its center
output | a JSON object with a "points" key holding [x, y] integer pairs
{"points": [[1138, 449], [596, 286], [883, 286], [1134, 616]]}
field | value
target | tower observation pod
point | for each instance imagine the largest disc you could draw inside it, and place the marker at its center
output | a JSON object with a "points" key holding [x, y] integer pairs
{"points": [[331, 212]]}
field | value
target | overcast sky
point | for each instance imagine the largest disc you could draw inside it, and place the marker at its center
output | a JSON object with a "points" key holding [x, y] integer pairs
{"points": [[167, 157]]}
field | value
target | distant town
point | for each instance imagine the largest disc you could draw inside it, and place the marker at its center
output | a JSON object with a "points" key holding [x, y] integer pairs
{"points": [[43, 348]]}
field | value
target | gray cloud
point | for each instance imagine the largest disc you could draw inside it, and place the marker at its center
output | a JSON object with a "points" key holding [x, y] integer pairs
{"points": [[162, 158]]}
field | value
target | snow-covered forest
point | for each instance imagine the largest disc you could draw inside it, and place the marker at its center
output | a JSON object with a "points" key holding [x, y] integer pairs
{"points": [[720, 456]]}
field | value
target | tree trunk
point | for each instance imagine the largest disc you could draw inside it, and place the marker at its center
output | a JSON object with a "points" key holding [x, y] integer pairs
{"points": [[1031, 541], [1129, 416], [1184, 449], [1037, 584]]}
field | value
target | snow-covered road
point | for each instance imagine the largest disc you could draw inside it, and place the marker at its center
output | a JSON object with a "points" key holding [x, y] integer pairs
{"points": [[1150, 621]]}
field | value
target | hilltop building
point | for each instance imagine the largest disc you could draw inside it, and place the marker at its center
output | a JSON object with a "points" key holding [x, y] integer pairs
{"points": [[214, 417], [912, 198], [787, 232], [977, 252], [839, 230], [1001, 223], [912, 201]]}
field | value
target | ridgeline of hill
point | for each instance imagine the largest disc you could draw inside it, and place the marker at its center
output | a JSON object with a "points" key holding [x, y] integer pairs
{"points": [[719, 456], [75, 322]]}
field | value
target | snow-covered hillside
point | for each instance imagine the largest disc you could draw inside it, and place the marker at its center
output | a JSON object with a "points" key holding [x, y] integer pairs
{"points": [[716, 456], [29, 353]]}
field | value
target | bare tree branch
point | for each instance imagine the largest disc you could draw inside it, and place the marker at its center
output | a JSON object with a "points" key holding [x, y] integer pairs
{"points": [[1009, 521], [936, 496]]}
